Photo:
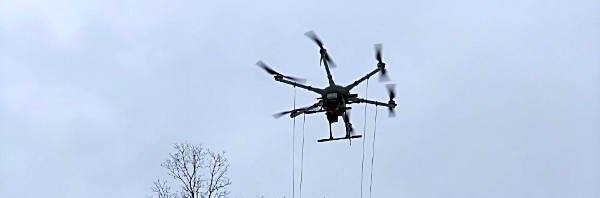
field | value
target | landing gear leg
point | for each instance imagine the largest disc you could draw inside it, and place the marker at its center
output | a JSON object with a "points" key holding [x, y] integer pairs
{"points": [[330, 133], [349, 128]]}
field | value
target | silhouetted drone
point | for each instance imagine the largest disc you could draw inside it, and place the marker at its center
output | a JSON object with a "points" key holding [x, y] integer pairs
{"points": [[334, 98]]}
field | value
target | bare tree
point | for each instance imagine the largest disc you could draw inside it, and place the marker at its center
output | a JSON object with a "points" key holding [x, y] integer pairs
{"points": [[217, 165], [201, 173], [162, 190]]}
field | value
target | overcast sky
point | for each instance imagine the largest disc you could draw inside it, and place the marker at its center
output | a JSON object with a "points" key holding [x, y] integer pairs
{"points": [[495, 98]]}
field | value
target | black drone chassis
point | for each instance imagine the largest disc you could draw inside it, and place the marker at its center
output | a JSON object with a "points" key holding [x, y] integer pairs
{"points": [[334, 98]]}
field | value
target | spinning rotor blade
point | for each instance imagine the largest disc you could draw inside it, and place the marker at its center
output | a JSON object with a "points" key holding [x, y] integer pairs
{"points": [[383, 76], [299, 80], [330, 61], [278, 115], [260, 63], [392, 92], [391, 113], [378, 48], [313, 36]]}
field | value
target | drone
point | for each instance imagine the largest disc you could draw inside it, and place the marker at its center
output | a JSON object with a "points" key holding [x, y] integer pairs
{"points": [[335, 98]]}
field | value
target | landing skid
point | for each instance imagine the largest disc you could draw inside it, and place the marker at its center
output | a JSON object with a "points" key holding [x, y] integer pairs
{"points": [[330, 139]]}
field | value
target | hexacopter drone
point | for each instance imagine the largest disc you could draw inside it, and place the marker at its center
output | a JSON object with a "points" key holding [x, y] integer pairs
{"points": [[334, 98]]}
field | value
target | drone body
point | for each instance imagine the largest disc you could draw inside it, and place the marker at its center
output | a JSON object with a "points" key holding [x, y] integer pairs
{"points": [[335, 99]]}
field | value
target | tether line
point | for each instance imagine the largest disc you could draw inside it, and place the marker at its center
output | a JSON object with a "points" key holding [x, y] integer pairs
{"points": [[362, 165], [294, 149], [302, 157], [373, 156]]}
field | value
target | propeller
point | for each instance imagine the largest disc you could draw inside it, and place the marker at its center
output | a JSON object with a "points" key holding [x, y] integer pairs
{"points": [[380, 63], [260, 63], [313, 36], [278, 115], [292, 112], [392, 92]]}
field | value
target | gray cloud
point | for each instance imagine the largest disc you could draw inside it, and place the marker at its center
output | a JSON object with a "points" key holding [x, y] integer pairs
{"points": [[496, 98]]}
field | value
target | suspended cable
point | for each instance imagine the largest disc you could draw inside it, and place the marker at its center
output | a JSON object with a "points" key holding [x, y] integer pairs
{"points": [[373, 156], [294, 149], [302, 157], [362, 165]]}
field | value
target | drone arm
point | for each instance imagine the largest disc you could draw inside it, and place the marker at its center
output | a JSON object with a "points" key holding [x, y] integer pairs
{"points": [[316, 90], [300, 111], [360, 100], [329, 77], [355, 83]]}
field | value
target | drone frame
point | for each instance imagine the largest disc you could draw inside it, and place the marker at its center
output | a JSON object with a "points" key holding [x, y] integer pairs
{"points": [[334, 88]]}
